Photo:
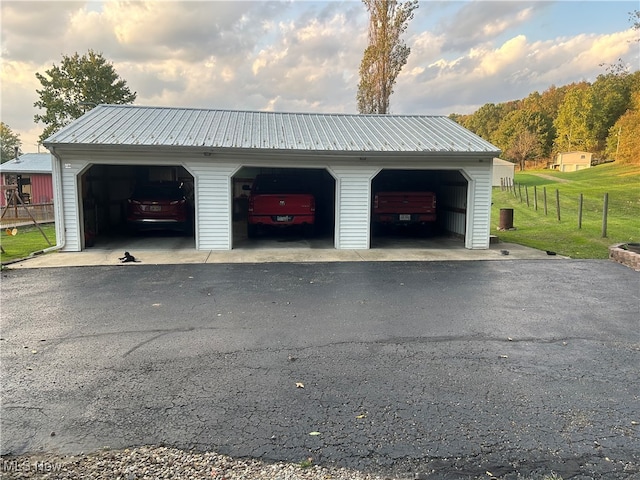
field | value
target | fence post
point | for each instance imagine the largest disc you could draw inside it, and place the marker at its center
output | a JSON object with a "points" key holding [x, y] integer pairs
{"points": [[558, 203], [535, 198], [580, 212], [605, 208], [526, 191], [544, 194], [520, 191]]}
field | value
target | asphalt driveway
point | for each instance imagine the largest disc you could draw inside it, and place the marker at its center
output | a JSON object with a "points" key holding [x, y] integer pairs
{"points": [[457, 368]]}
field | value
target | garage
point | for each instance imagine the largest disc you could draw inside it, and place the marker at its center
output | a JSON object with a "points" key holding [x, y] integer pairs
{"points": [[111, 210], [218, 154], [317, 182], [418, 205]]}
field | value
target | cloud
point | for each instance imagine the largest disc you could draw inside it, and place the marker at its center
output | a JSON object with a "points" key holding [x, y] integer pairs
{"points": [[508, 71], [480, 22]]}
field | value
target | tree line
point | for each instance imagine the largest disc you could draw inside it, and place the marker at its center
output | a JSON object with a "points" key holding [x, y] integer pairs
{"points": [[602, 118]]}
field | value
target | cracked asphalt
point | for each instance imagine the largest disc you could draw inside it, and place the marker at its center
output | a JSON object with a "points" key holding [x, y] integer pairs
{"points": [[412, 369]]}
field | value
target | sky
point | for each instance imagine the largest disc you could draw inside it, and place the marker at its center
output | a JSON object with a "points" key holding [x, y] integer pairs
{"points": [[304, 56]]}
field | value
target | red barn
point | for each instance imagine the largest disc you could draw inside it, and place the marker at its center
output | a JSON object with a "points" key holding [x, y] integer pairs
{"points": [[31, 173]]}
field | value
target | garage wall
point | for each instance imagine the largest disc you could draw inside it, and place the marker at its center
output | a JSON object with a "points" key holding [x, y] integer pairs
{"points": [[479, 205], [353, 194], [213, 204], [353, 211], [452, 202], [71, 205]]}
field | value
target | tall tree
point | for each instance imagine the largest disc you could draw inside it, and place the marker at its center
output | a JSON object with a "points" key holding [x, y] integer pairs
{"points": [[634, 18], [9, 141], [611, 95], [622, 143], [78, 84], [386, 53], [572, 131]]}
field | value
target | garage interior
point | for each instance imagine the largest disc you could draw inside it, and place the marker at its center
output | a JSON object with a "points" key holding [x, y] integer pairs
{"points": [[104, 190], [324, 191], [450, 187]]}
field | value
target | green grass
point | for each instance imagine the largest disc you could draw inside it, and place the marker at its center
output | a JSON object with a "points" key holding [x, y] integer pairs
{"points": [[27, 241], [536, 230]]}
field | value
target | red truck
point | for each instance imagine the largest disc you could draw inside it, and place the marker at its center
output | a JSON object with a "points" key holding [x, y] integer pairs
{"points": [[404, 209], [278, 201]]}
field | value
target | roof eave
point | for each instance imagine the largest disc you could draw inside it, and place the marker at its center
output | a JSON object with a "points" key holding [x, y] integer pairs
{"points": [[211, 151]]}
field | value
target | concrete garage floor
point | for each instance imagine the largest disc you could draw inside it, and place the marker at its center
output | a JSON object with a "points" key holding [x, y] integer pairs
{"points": [[172, 248], [161, 249]]}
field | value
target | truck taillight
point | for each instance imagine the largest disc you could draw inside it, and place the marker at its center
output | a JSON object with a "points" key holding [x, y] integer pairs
{"points": [[251, 204], [312, 205], [375, 201]]}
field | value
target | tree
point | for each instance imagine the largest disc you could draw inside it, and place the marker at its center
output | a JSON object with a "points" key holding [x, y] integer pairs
{"points": [[622, 143], [572, 131], [634, 18], [525, 146], [512, 135], [78, 84], [385, 55], [611, 95], [9, 141]]}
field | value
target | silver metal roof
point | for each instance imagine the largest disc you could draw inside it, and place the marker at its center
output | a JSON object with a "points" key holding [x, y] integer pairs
{"points": [[127, 125], [28, 163]]}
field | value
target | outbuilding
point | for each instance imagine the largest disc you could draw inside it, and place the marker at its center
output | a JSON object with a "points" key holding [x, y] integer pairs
{"points": [[30, 174], [98, 159], [503, 172]]}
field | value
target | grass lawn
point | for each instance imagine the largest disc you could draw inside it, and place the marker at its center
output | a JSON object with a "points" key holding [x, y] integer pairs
{"points": [[28, 240], [534, 229]]}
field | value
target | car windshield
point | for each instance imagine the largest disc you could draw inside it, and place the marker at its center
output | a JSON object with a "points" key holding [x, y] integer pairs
{"points": [[159, 192]]}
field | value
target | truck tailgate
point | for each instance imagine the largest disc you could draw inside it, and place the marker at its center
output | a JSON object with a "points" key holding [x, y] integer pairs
{"points": [[405, 202], [282, 204]]}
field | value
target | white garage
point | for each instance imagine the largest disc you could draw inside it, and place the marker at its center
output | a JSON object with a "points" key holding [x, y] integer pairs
{"points": [[213, 151]]}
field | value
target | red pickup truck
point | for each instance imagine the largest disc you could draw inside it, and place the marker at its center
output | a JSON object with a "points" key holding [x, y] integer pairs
{"points": [[404, 208], [278, 201]]}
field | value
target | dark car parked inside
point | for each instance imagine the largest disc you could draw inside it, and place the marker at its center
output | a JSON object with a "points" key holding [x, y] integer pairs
{"points": [[159, 206]]}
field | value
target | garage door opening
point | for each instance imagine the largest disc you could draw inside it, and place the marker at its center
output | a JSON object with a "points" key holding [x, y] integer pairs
{"points": [[137, 206], [283, 208], [417, 207]]}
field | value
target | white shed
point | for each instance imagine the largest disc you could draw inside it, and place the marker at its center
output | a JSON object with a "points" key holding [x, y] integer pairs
{"points": [[100, 155], [502, 171]]}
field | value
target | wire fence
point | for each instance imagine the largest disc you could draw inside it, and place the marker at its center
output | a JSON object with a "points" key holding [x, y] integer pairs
{"points": [[540, 200]]}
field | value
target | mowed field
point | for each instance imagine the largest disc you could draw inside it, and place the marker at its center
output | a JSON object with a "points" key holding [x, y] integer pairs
{"points": [[566, 236]]}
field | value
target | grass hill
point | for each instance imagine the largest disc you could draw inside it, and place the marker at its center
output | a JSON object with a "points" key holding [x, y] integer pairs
{"points": [[545, 232]]}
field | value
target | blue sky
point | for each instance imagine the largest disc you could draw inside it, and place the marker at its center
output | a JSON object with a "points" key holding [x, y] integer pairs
{"points": [[304, 55]]}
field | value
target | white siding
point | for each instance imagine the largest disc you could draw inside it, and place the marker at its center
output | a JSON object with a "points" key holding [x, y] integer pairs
{"points": [[454, 198], [478, 206], [213, 204], [71, 205], [353, 205]]}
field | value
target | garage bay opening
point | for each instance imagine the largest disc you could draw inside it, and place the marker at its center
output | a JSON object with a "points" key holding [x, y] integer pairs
{"points": [[137, 207], [417, 208], [283, 207]]}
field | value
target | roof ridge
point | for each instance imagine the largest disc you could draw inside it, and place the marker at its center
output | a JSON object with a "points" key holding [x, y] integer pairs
{"points": [[270, 112]]}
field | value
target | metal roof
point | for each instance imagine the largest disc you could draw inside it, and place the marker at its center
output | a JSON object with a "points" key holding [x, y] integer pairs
{"points": [[28, 163], [127, 125]]}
